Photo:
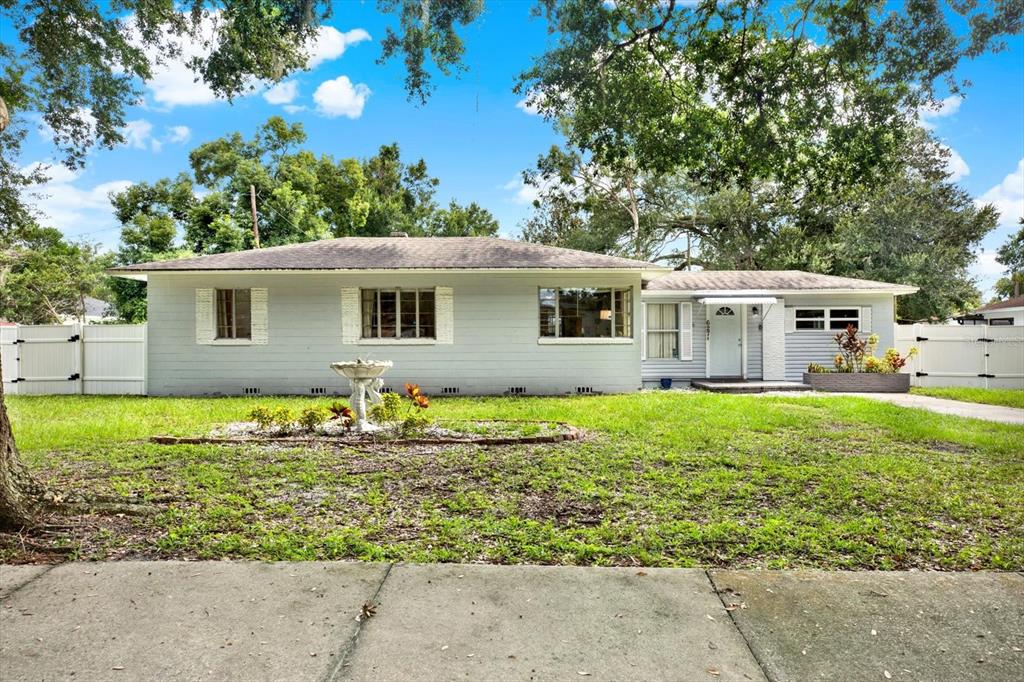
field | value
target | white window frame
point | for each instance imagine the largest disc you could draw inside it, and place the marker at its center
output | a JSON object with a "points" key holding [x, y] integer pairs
{"points": [[397, 338], [677, 330], [827, 320], [234, 338], [613, 339]]}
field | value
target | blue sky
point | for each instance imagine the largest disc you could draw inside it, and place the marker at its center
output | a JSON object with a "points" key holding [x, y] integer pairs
{"points": [[472, 134]]}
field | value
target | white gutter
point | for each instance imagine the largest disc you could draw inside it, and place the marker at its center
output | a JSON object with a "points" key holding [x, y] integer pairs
{"points": [[895, 290], [141, 275]]}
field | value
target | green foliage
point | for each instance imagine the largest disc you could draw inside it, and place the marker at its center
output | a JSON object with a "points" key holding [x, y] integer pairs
{"points": [[413, 425], [312, 417], [283, 418], [815, 368], [44, 277], [388, 409], [1011, 256], [263, 416]]}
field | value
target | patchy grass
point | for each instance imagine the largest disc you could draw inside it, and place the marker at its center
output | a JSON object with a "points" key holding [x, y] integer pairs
{"points": [[1008, 397], [665, 479]]}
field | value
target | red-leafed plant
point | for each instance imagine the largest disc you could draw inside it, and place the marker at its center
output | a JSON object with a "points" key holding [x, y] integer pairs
{"points": [[344, 413]]}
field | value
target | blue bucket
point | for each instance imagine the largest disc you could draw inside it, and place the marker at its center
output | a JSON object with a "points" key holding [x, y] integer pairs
{"points": [[666, 384]]}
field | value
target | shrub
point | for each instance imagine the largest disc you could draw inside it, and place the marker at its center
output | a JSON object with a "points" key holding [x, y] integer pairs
{"points": [[263, 416], [344, 413], [283, 419], [875, 366], [413, 425], [387, 410], [815, 368], [895, 362], [312, 417]]}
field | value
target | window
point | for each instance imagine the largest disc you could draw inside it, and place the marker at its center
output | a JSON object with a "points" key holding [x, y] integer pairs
{"points": [[815, 319], [1000, 321], [662, 330], [234, 314], [586, 313], [398, 313]]}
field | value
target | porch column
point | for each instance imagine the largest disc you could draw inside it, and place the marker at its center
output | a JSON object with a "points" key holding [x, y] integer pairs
{"points": [[773, 341]]}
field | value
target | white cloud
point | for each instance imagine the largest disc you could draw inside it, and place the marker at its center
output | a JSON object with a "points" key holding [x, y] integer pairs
{"points": [[946, 107], [293, 108], [1007, 197], [339, 97], [282, 93], [522, 193], [956, 166], [526, 106], [73, 210], [179, 134], [138, 134], [330, 43]]}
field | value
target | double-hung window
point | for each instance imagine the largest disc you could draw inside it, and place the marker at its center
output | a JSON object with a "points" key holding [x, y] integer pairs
{"points": [[822, 319], [662, 330], [234, 314], [581, 313], [398, 314]]}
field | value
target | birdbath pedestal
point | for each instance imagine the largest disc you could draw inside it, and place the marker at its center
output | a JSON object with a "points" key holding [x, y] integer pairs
{"points": [[364, 377]]}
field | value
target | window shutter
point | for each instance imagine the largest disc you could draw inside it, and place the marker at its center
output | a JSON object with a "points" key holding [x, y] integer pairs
{"points": [[205, 320], [444, 312], [686, 331], [350, 318], [258, 312], [790, 320], [865, 318]]}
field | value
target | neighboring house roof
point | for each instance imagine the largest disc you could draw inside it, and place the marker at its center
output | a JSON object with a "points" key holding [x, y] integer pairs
{"points": [[768, 281], [398, 253], [1012, 302]]}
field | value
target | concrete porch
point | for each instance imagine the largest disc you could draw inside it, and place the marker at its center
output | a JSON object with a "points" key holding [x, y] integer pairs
{"points": [[746, 385]]}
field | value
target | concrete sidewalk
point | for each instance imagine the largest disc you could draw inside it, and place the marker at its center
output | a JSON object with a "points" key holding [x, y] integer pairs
{"points": [[309, 621], [957, 408]]}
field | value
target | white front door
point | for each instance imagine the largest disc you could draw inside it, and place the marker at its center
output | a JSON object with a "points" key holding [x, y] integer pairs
{"points": [[726, 342]]}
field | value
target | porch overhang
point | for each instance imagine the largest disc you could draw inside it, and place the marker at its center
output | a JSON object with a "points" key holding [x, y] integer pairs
{"points": [[738, 300]]}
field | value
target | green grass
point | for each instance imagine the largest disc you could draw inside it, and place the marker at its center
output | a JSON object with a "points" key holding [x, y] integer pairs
{"points": [[664, 479], [1009, 397]]}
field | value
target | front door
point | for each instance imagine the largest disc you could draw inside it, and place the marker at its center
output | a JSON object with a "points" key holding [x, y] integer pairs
{"points": [[726, 342]]}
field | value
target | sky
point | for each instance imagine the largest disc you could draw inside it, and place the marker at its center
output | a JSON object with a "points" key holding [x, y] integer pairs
{"points": [[475, 134]]}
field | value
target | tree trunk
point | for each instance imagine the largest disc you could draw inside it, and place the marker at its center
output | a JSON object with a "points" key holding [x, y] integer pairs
{"points": [[20, 493]]}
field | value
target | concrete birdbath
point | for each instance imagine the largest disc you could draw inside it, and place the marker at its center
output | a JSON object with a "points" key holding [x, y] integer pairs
{"points": [[364, 377]]}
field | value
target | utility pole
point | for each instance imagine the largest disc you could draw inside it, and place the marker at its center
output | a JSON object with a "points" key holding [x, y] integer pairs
{"points": [[255, 224]]}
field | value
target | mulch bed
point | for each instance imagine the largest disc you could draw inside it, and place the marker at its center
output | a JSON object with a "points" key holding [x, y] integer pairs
{"points": [[565, 432]]}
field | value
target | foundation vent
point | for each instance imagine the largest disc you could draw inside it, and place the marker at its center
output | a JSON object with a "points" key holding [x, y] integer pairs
{"points": [[585, 390], [386, 389], [517, 390], [318, 390], [449, 390], [251, 390]]}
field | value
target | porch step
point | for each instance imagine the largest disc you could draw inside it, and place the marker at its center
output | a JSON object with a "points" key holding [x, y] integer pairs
{"points": [[747, 386]]}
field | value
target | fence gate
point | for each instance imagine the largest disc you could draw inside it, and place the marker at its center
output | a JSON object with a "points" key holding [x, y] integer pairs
{"points": [[74, 358], [971, 355]]}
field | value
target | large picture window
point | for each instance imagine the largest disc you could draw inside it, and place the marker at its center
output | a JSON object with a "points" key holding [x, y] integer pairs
{"points": [[662, 330], [398, 313], [821, 319], [234, 314], [586, 313]]}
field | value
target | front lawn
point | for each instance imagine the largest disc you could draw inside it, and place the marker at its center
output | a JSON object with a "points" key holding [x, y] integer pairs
{"points": [[1008, 397], [663, 479]]}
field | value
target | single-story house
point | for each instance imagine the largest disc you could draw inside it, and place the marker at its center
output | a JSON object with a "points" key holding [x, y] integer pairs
{"points": [[998, 314], [478, 315]]}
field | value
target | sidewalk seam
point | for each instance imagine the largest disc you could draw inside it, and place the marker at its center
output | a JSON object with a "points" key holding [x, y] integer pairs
{"points": [[732, 619], [31, 580], [349, 646]]}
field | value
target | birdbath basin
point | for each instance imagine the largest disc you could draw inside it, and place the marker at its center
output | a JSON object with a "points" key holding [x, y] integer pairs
{"points": [[364, 377]]}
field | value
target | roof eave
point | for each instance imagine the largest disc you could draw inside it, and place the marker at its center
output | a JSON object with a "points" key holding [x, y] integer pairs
{"points": [[895, 290]]}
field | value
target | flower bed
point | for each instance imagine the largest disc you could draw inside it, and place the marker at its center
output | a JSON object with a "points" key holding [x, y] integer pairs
{"points": [[477, 432], [857, 370]]}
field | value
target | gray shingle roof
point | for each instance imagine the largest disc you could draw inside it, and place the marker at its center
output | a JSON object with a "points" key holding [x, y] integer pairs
{"points": [[399, 253], [1012, 302], [768, 280]]}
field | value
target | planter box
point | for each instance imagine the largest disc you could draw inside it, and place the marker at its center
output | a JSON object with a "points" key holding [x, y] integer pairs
{"points": [[858, 382]]}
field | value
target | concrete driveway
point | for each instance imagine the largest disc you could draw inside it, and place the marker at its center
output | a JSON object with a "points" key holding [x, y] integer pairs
{"points": [[959, 408], [354, 621]]}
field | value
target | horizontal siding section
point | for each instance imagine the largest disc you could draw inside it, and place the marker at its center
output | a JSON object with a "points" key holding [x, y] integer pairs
{"points": [[495, 329], [655, 369], [754, 344], [805, 347]]}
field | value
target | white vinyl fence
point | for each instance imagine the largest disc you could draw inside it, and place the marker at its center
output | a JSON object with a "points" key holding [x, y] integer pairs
{"points": [[981, 356], [74, 358]]}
